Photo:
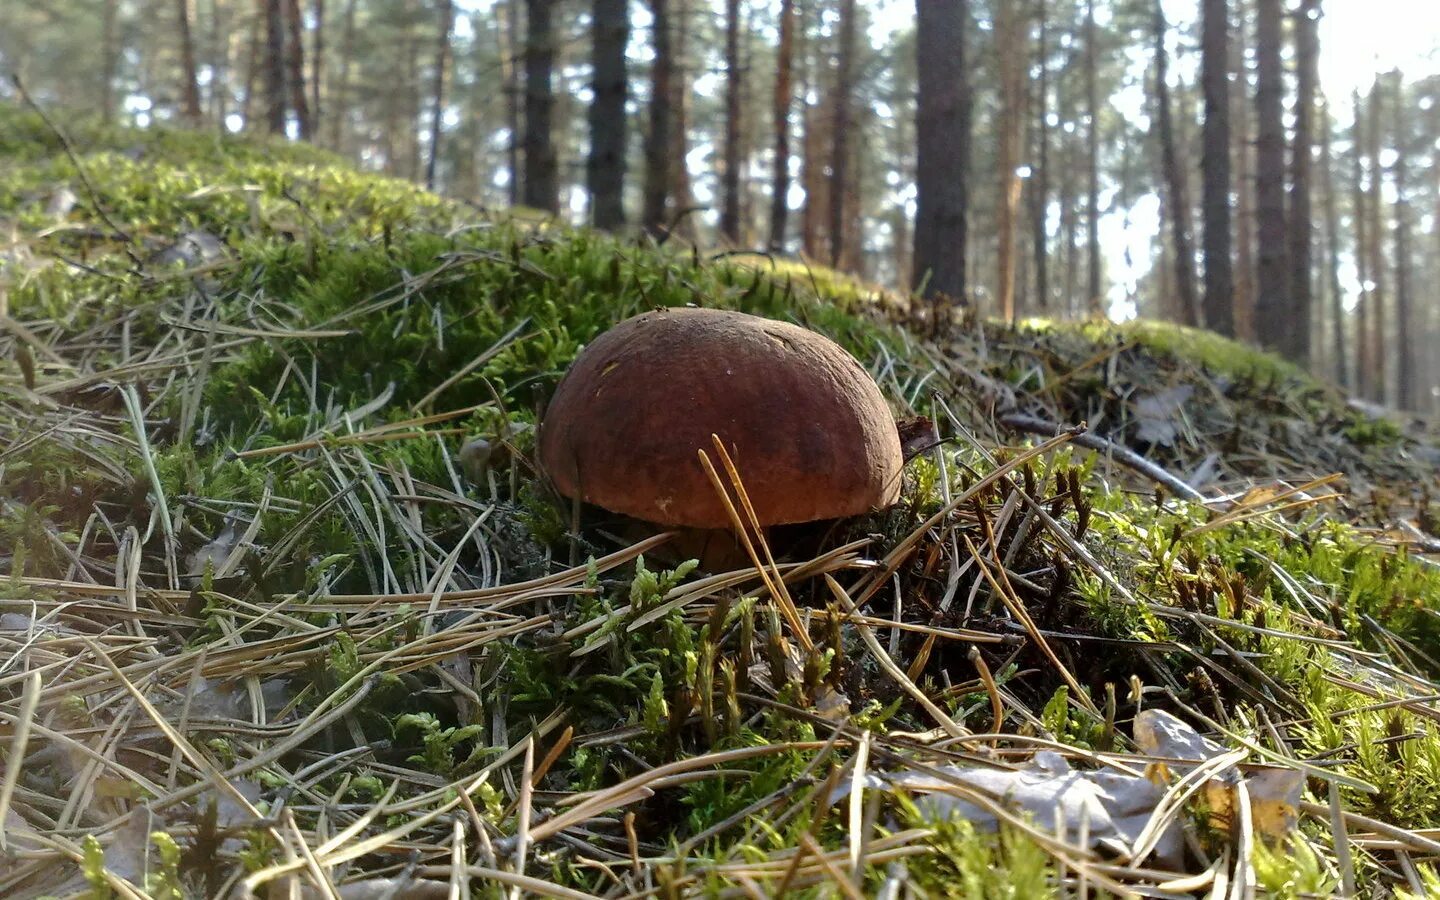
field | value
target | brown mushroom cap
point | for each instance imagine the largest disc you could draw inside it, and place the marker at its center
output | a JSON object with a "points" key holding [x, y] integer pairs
{"points": [[805, 424]]}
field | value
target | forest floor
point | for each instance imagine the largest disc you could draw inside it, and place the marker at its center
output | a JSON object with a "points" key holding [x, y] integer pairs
{"points": [[286, 610]]}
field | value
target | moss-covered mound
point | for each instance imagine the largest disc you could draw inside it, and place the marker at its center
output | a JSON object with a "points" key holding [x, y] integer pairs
{"points": [[283, 599]]}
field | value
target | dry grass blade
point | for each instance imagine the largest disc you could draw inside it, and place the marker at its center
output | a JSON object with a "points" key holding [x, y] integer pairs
{"points": [[773, 582], [952, 728], [19, 743]]}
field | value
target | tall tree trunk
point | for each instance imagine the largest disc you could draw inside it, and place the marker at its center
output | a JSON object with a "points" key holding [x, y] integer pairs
{"points": [[317, 67], [1376, 206], [216, 99], [605, 169], [341, 100], [814, 138], [730, 162], [1364, 363], [942, 138], [840, 132], [1407, 376], [509, 56], [1094, 302], [682, 198], [1307, 49], [541, 188], [1177, 196], [1332, 261], [1010, 42], [437, 112], [190, 84], [295, 60], [109, 59], [1040, 179], [780, 191], [1215, 164], [1275, 315], [274, 66], [1244, 156], [657, 138]]}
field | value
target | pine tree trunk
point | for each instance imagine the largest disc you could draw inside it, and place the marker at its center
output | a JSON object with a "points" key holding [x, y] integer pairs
{"points": [[1094, 302], [1178, 199], [942, 139], [1340, 363], [437, 94], [342, 88], [657, 138], [1244, 156], [190, 85], [1375, 203], [1275, 314], [274, 66], [1406, 375], [109, 59], [730, 161], [1364, 363], [812, 140], [541, 189], [1215, 165], [317, 67], [840, 132], [216, 98], [509, 58], [784, 63], [682, 198], [1039, 195], [606, 166], [295, 62], [1010, 43], [1297, 336]]}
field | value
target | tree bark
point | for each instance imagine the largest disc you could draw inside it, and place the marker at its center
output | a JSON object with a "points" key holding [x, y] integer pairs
{"points": [[1275, 314], [1040, 179], [1094, 302], [605, 169], [1300, 216], [341, 100], [190, 84], [1364, 364], [508, 38], [1010, 43], [657, 138], [109, 59], [1375, 204], [317, 67], [1332, 262], [1177, 196], [437, 112], [682, 198], [784, 64], [1215, 165], [730, 160], [1406, 375], [274, 66], [295, 60], [541, 189], [840, 132], [942, 138], [1244, 156]]}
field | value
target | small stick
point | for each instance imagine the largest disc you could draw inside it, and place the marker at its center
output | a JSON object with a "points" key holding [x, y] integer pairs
{"points": [[1120, 453], [80, 169]]}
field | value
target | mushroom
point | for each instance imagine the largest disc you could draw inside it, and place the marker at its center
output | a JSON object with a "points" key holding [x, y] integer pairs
{"points": [[804, 422]]}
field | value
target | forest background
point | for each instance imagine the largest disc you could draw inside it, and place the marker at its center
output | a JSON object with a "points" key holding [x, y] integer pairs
{"points": [[1265, 168]]}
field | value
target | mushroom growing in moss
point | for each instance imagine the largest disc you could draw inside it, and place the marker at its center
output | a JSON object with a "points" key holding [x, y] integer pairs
{"points": [[804, 422]]}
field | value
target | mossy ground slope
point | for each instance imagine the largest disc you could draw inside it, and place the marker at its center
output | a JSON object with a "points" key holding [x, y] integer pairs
{"points": [[283, 599]]}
